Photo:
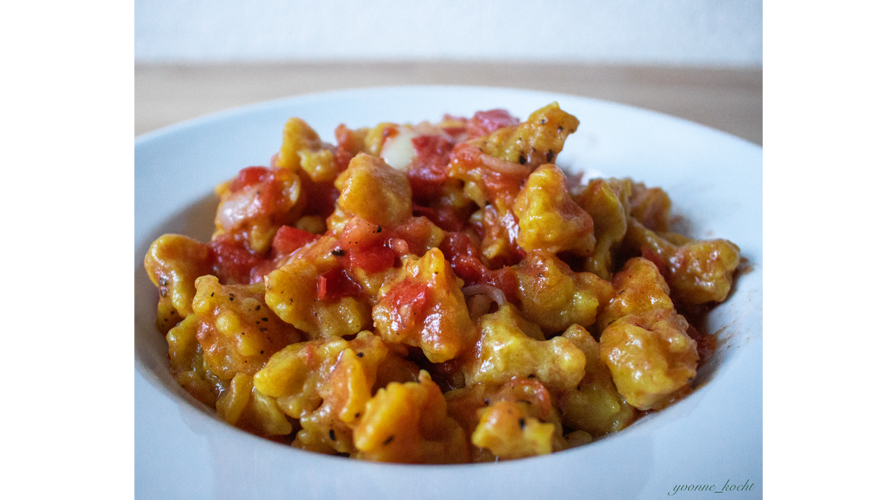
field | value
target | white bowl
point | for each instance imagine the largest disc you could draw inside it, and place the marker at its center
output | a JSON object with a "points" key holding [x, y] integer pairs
{"points": [[711, 438]]}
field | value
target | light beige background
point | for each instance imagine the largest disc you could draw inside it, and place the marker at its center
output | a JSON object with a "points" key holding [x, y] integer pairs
{"points": [[728, 99]]}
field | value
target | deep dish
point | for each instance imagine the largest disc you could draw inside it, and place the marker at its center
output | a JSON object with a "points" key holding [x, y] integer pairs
{"points": [[456, 249]]}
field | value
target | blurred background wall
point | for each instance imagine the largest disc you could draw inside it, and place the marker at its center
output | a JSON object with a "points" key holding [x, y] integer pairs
{"points": [[718, 33], [696, 59]]}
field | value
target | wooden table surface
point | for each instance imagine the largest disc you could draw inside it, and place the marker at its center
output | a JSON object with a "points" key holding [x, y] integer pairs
{"points": [[726, 99]]}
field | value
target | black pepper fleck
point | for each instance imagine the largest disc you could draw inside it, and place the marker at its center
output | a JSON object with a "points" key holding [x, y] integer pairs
{"points": [[338, 252], [522, 423], [332, 435], [522, 160], [360, 354], [388, 440]]}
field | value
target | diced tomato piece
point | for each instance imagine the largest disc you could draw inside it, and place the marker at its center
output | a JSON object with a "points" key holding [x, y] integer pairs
{"points": [[249, 176], [416, 231], [486, 122], [454, 131], [359, 232], [321, 197], [457, 243], [429, 169], [410, 301], [232, 262], [289, 239], [414, 295], [372, 259], [347, 145], [464, 260], [335, 284], [261, 270], [268, 185], [444, 217], [432, 149], [505, 280]]}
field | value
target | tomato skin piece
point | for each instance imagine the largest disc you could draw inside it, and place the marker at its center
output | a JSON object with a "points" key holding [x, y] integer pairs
{"points": [[289, 239]]}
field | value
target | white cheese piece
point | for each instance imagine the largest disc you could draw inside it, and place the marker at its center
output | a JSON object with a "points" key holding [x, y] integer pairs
{"points": [[398, 151]]}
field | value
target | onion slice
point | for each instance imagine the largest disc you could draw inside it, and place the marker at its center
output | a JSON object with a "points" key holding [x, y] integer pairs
{"points": [[492, 292]]}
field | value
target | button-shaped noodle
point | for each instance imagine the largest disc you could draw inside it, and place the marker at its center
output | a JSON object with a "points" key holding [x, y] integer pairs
{"points": [[594, 406], [292, 292], [239, 333], [245, 407], [555, 297], [371, 189], [173, 263], [651, 357], [504, 352], [409, 423], [303, 150], [639, 287], [606, 201], [535, 141], [423, 306], [698, 271], [549, 220]]}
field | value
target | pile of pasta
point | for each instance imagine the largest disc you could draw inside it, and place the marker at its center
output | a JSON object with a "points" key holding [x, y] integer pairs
{"points": [[436, 293]]}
